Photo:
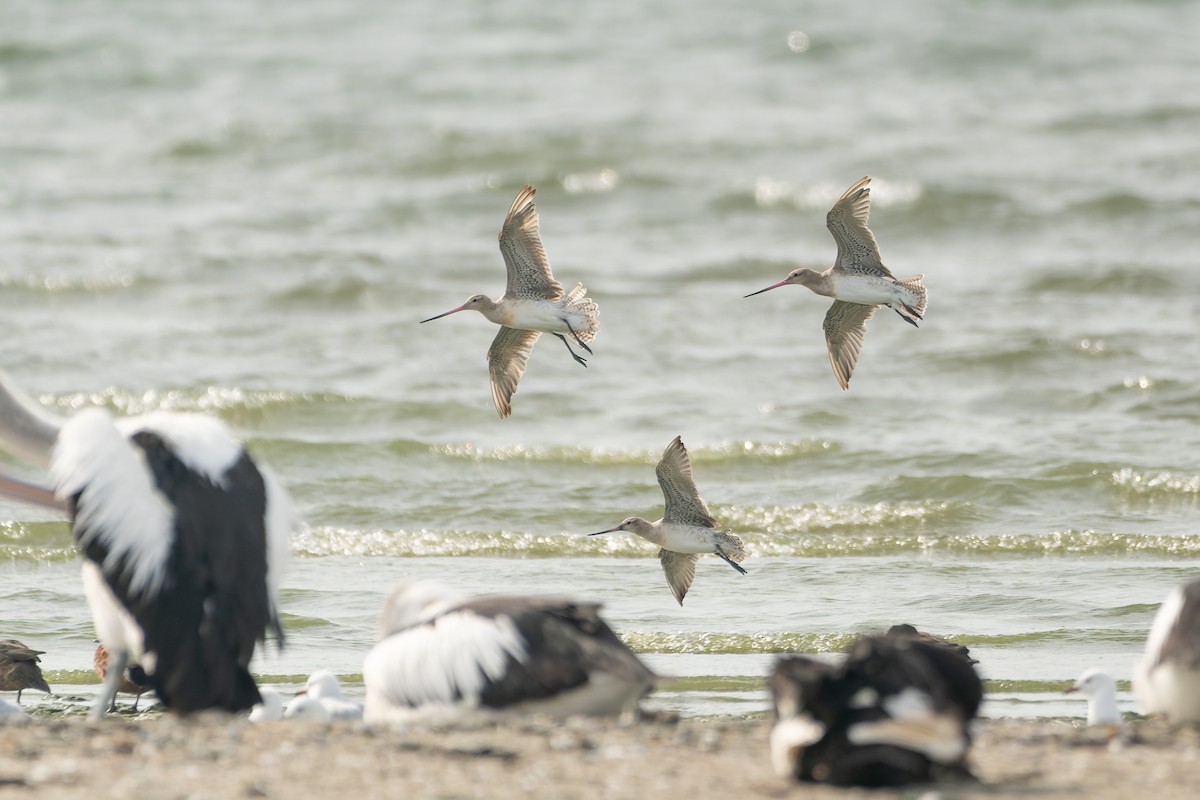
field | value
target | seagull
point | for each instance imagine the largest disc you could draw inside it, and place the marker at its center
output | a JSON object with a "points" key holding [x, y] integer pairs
{"points": [[134, 681], [442, 656], [19, 668], [271, 707], [1101, 691], [896, 711], [858, 282], [1167, 679], [308, 708], [323, 687], [183, 541], [533, 304], [687, 529]]}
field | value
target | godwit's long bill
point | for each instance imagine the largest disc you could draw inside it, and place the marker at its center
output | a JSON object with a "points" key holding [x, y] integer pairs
{"points": [[183, 540], [686, 529], [441, 655], [858, 281], [533, 304]]}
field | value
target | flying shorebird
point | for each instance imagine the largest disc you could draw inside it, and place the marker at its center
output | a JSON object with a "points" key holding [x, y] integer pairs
{"points": [[1167, 679], [533, 304], [183, 540], [686, 529], [19, 668], [858, 282], [442, 656]]}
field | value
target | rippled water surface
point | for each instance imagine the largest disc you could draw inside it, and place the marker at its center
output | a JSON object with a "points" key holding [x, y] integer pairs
{"points": [[245, 209]]}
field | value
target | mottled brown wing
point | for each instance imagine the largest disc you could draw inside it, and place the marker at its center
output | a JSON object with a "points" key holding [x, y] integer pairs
{"points": [[506, 363], [845, 329], [680, 569], [683, 503], [847, 221], [521, 245], [13, 649]]}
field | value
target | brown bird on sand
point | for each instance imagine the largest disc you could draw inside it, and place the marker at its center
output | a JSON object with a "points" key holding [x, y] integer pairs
{"points": [[19, 668], [133, 682]]}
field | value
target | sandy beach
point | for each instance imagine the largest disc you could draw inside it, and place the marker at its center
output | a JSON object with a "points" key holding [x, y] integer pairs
{"points": [[220, 756]]}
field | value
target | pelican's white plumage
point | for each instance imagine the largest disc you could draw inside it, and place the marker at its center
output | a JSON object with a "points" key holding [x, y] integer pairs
{"points": [[183, 539], [440, 656], [1167, 679]]}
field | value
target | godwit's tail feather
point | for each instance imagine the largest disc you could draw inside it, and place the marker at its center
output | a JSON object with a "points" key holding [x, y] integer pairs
{"points": [[911, 303], [578, 300]]}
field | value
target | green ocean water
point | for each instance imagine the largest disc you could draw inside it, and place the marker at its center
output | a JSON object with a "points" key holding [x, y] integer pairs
{"points": [[246, 210]]}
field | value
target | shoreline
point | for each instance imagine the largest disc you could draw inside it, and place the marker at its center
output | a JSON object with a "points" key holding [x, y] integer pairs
{"points": [[216, 755]]}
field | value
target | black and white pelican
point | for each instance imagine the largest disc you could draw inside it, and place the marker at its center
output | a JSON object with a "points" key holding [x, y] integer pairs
{"points": [[183, 541], [895, 711], [533, 303], [858, 282], [444, 657], [687, 530], [1167, 679]]}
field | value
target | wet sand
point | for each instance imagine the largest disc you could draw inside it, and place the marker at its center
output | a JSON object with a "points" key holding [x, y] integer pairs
{"points": [[220, 756]]}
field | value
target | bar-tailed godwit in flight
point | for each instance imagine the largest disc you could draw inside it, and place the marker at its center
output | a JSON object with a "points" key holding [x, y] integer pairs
{"points": [[533, 303], [858, 282], [686, 530]]}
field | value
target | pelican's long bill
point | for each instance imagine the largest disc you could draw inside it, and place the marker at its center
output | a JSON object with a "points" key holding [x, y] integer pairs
{"points": [[769, 288], [448, 313], [17, 489]]}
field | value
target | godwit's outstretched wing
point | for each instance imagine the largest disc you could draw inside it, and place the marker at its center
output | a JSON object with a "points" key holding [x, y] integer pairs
{"points": [[680, 569], [683, 502], [521, 244], [847, 221], [506, 363], [845, 328]]}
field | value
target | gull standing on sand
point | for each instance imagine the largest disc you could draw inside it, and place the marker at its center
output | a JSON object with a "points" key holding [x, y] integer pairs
{"points": [[1167, 679], [686, 530], [271, 707], [19, 668], [323, 687], [1101, 692], [533, 304], [443, 657], [183, 541], [858, 282]]}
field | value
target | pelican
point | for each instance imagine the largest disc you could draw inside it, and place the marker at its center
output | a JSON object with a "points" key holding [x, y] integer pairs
{"points": [[442, 656], [183, 541], [686, 529], [1167, 679], [858, 282], [533, 304], [896, 711]]}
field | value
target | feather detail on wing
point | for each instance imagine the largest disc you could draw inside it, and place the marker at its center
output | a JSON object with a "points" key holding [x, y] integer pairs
{"points": [[847, 221], [845, 329], [680, 569], [507, 358], [521, 244], [683, 503]]}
